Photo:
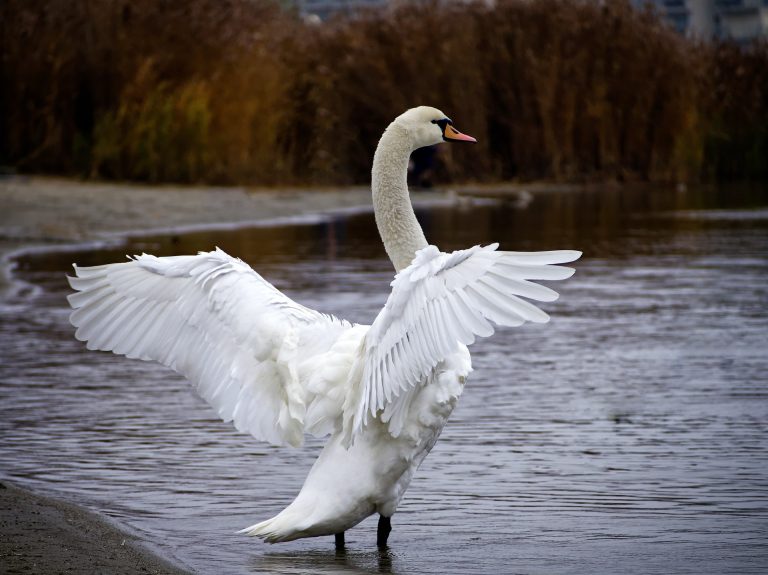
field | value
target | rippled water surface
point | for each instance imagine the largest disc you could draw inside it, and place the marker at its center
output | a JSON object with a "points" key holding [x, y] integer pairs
{"points": [[627, 435]]}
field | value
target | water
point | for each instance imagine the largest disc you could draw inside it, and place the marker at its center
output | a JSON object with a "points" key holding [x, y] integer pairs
{"points": [[629, 434]]}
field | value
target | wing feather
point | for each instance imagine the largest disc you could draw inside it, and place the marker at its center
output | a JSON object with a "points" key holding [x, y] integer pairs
{"points": [[514, 271], [442, 301], [251, 352]]}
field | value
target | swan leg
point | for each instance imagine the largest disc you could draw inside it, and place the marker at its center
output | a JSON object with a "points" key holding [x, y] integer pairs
{"points": [[339, 538], [382, 534]]}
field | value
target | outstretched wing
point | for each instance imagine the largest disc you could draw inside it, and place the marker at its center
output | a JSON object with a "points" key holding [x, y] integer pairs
{"points": [[442, 300], [249, 350]]}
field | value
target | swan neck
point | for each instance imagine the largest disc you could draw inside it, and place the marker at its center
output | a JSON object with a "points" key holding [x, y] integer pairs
{"points": [[400, 231]]}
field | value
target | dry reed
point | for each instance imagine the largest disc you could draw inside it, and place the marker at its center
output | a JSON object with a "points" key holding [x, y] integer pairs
{"points": [[243, 91]]}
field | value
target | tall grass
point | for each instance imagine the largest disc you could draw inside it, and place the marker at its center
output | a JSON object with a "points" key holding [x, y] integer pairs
{"points": [[245, 91]]}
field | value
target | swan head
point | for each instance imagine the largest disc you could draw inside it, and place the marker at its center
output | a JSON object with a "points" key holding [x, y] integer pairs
{"points": [[427, 126]]}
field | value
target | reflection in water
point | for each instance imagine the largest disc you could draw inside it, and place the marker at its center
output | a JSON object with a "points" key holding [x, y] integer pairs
{"points": [[329, 562], [629, 433]]}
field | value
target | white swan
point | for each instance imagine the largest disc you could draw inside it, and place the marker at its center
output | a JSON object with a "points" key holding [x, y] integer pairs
{"points": [[279, 370]]}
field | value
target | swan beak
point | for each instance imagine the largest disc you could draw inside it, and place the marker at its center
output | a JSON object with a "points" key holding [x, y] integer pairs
{"points": [[451, 134]]}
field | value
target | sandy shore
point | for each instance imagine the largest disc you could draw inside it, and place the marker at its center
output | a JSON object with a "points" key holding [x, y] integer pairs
{"points": [[44, 535], [57, 210]]}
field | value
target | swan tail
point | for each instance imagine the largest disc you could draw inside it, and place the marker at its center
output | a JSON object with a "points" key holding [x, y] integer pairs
{"points": [[262, 530], [282, 527]]}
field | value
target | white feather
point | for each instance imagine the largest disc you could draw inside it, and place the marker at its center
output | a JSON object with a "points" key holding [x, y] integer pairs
{"points": [[214, 320], [441, 300], [278, 370]]}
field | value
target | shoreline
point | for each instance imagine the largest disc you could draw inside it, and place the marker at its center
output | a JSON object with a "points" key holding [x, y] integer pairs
{"points": [[42, 534], [47, 214], [42, 214]]}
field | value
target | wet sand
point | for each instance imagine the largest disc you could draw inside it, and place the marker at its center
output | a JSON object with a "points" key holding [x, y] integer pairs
{"points": [[44, 535]]}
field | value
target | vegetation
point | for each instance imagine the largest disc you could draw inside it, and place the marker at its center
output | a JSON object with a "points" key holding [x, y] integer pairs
{"points": [[244, 91]]}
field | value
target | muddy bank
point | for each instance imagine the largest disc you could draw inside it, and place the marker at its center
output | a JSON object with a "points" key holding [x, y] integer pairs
{"points": [[45, 535]]}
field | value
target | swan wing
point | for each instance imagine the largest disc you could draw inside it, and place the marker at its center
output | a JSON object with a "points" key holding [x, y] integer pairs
{"points": [[440, 301], [256, 356]]}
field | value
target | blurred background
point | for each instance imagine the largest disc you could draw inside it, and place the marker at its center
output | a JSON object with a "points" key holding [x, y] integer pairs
{"points": [[274, 92]]}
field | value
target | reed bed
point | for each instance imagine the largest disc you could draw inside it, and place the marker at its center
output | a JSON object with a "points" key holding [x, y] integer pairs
{"points": [[245, 91]]}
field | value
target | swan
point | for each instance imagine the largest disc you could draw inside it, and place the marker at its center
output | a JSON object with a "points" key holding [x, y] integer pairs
{"points": [[279, 370]]}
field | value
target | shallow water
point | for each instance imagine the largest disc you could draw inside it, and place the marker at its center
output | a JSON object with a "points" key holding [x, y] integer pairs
{"points": [[629, 434]]}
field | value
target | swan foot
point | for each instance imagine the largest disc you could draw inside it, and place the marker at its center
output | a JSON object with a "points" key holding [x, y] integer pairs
{"points": [[382, 534], [339, 539]]}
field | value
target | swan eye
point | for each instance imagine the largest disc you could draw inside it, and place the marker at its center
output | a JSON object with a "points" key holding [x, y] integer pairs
{"points": [[443, 123]]}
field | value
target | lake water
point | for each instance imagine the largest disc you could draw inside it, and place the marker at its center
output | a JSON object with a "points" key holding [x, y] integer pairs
{"points": [[630, 434]]}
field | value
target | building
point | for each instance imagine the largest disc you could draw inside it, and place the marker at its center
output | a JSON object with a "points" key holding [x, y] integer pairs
{"points": [[740, 20]]}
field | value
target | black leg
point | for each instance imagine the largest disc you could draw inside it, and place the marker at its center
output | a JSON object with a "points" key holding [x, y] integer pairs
{"points": [[385, 526], [339, 540]]}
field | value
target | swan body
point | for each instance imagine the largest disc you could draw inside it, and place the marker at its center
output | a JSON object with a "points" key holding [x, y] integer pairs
{"points": [[278, 370], [346, 485]]}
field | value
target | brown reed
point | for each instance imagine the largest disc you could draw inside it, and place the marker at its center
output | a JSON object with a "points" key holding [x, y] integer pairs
{"points": [[244, 91]]}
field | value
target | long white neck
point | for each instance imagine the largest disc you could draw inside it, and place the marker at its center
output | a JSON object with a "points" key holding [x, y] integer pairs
{"points": [[399, 229]]}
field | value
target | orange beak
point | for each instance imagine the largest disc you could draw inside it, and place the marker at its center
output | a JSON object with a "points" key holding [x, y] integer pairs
{"points": [[451, 134]]}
